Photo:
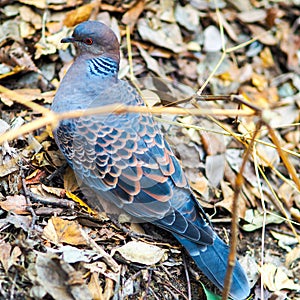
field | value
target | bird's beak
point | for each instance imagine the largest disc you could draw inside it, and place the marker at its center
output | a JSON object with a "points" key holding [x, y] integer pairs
{"points": [[68, 40]]}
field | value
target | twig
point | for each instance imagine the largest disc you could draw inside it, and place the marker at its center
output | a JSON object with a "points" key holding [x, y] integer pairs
{"points": [[168, 284], [107, 258], [53, 119], [239, 181], [57, 172], [290, 168], [263, 229], [128, 41], [148, 284], [189, 291], [26, 194], [154, 294], [130, 232], [66, 203]]}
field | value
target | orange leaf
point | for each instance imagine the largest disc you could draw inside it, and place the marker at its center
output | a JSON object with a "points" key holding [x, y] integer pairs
{"points": [[78, 15], [63, 231]]}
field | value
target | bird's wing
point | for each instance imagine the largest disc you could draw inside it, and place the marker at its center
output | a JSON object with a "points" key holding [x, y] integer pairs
{"points": [[125, 159]]}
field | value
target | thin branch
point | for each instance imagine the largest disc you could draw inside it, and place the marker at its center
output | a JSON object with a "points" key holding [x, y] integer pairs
{"points": [[239, 181], [52, 118], [284, 157]]}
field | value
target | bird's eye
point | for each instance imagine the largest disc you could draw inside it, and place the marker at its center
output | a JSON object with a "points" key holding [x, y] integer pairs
{"points": [[88, 41]]}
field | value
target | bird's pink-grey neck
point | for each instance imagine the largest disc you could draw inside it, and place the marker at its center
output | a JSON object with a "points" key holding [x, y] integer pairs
{"points": [[98, 45]]}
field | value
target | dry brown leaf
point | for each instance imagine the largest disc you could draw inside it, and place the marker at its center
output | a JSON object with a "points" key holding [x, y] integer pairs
{"points": [[292, 256], [152, 64], [289, 44], [264, 36], [253, 95], [287, 193], [228, 194], [260, 81], [295, 213], [95, 288], [8, 257], [214, 168], [252, 16], [5, 249], [80, 202], [8, 166], [63, 231], [267, 58], [131, 16], [28, 15], [16, 204], [56, 158], [70, 182], [284, 240], [150, 97], [166, 11], [59, 192], [213, 144], [275, 279], [200, 185], [79, 15], [17, 55], [269, 155], [42, 4], [57, 278], [166, 36], [141, 252]]}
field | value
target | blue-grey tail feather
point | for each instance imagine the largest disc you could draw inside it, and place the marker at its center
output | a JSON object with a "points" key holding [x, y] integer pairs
{"points": [[212, 261]]}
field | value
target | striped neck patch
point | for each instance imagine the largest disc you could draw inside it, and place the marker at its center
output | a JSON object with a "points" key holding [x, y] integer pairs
{"points": [[103, 66]]}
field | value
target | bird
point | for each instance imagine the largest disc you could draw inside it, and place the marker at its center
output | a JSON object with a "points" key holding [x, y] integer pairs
{"points": [[125, 159]]}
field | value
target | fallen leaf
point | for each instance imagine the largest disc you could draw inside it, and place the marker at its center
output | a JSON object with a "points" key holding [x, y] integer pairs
{"points": [[166, 36], [70, 182], [284, 240], [275, 279], [63, 231], [78, 15], [8, 256], [42, 4], [264, 36], [72, 254], [80, 202], [292, 256], [30, 16], [187, 16], [131, 16], [227, 202], [8, 166], [16, 204], [59, 192], [212, 39], [57, 281], [166, 11], [141, 252], [214, 168], [255, 220], [152, 64], [252, 16]]}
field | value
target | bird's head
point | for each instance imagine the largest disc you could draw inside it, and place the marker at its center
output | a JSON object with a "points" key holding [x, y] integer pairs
{"points": [[94, 39]]}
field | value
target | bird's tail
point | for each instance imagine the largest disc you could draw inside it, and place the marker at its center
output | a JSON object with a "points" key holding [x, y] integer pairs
{"points": [[212, 261]]}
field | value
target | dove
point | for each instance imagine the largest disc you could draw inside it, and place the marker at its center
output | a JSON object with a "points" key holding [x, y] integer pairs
{"points": [[125, 159]]}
